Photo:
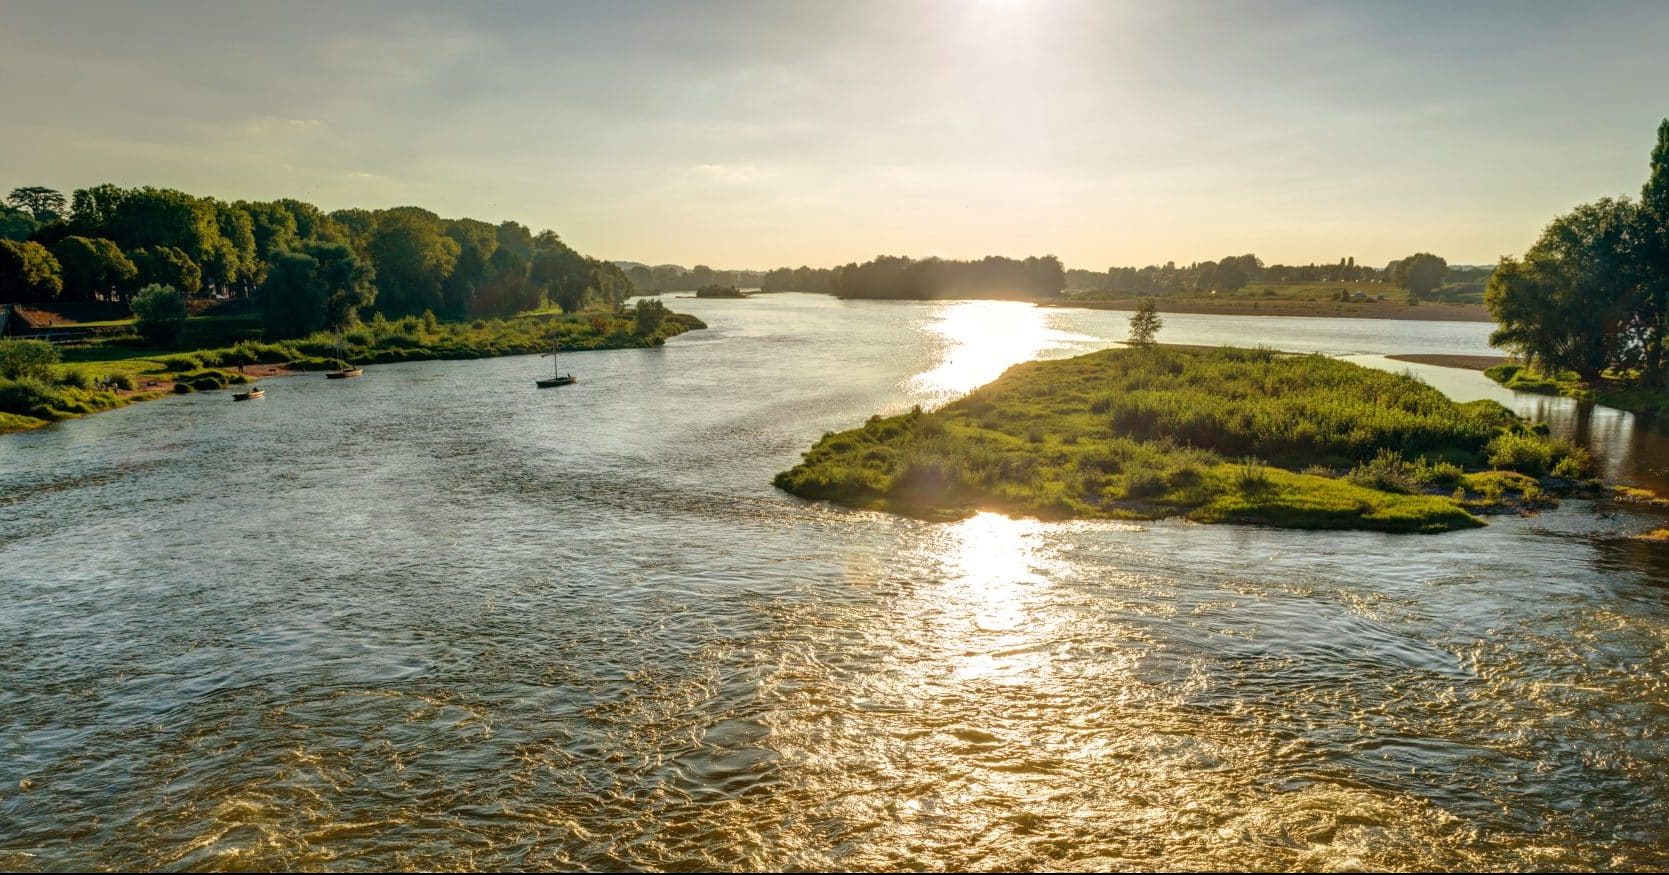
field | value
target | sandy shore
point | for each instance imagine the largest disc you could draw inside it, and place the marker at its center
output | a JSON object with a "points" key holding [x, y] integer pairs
{"points": [[1466, 362], [253, 372], [1428, 312]]}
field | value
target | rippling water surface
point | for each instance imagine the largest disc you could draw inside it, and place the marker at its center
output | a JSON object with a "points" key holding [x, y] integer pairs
{"points": [[435, 618]]}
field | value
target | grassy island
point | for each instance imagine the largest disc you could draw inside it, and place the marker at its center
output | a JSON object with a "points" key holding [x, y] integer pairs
{"points": [[1224, 435], [110, 372]]}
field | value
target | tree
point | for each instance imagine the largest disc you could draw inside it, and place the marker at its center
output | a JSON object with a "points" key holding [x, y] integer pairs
{"points": [[28, 272], [166, 266], [27, 360], [16, 224], [1567, 304], [322, 287], [161, 312], [1420, 273], [44, 204], [1654, 262], [1145, 324], [648, 316], [293, 302], [346, 280], [93, 267], [412, 259]]}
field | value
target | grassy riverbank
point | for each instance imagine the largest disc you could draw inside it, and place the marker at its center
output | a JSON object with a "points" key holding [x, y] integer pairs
{"points": [[1619, 393], [1221, 435], [112, 372]]}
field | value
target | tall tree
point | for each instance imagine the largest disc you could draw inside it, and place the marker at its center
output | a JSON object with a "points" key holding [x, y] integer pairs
{"points": [[1567, 304], [93, 267], [293, 302], [166, 266], [28, 272], [1654, 262], [1420, 273], [346, 280], [16, 224], [44, 204], [412, 259]]}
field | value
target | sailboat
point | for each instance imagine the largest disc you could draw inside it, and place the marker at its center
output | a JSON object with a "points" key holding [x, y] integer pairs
{"points": [[557, 378], [348, 368]]}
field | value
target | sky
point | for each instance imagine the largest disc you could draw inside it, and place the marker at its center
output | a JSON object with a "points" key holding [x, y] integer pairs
{"points": [[789, 133]]}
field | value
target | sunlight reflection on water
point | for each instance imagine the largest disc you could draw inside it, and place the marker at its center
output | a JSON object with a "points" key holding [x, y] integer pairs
{"points": [[981, 339]]}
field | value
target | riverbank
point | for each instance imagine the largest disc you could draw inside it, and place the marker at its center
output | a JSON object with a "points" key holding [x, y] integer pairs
{"points": [[1225, 435], [113, 373], [1611, 393], [1426, 312]]}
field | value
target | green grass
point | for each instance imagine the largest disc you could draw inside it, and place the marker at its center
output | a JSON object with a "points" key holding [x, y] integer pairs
{"points": [[1214, 435], [1617, 390]]}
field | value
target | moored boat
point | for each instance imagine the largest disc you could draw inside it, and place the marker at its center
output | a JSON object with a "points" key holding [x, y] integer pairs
{"points": [[557, 378], [344, 373], [253, 393]]}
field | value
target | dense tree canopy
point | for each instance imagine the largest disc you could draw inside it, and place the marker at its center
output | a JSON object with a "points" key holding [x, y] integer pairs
{"points": [[166, 266], [42, 203], [109, 241], [28, 272], [933, 278], [93, 267]]}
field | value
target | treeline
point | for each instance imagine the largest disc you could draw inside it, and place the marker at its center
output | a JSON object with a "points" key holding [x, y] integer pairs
{"points": [[897, 277], [674, 278], [1592, 295], [1426, 276], [309, 269], [799, 279]]}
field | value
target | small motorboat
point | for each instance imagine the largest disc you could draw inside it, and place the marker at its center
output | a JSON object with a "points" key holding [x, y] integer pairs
{"points": [[253, 393]]}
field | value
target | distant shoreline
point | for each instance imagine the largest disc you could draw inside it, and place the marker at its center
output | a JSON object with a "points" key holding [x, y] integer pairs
{"points": [[1425, 312]]}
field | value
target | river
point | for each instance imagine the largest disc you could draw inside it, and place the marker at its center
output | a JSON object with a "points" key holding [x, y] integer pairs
{"points": [[437, 619]]}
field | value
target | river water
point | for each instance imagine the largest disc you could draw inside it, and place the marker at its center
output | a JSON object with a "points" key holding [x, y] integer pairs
{"points": [[435, 618]]}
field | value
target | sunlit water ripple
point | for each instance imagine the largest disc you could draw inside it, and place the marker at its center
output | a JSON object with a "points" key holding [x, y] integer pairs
{"points": [[434, 618]]}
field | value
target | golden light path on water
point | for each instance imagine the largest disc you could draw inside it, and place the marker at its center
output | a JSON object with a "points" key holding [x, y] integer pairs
{"points": [[581, 631], [981, 339]]}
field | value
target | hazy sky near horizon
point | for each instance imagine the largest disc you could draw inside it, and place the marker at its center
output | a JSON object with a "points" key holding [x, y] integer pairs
{"points": [[763, 134]]}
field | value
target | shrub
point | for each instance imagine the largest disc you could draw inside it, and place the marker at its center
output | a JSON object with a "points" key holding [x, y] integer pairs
{"points": [[161, 312], [75, 378], [27, 360], [180, 362], [1524, 453], [1143, 484], [1251, 476], [120, 380], [29, 396]]}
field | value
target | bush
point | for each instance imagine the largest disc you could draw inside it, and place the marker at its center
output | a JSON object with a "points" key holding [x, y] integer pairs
{"points": [[180, 362], [27, 360], [161, 312], [28, 396], [120, 380], [1524, 453], [75, 378]]}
